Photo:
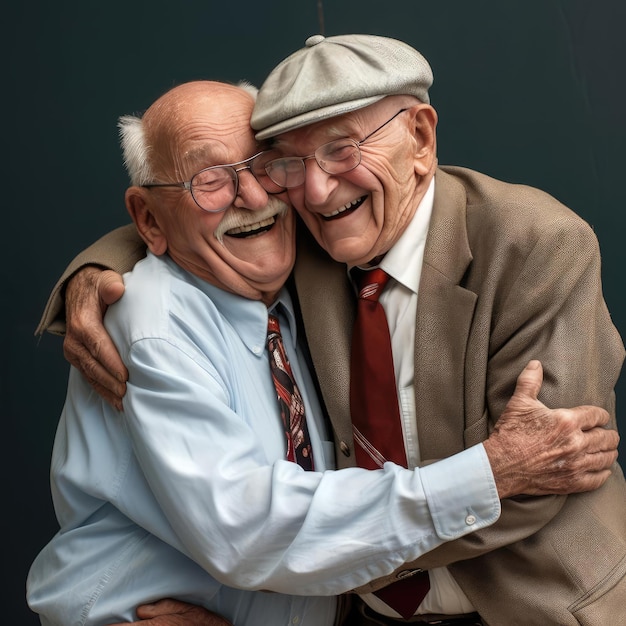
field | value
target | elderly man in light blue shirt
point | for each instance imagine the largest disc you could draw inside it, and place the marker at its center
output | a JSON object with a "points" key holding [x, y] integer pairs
{"points": [[187, 493]]}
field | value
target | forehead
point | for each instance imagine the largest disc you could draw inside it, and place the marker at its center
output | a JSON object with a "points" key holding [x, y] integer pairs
{"points": [[208, 127], [208, 142]]}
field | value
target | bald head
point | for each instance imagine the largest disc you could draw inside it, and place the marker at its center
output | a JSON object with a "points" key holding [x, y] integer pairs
{"points": [[149, 143], [177, 125]]}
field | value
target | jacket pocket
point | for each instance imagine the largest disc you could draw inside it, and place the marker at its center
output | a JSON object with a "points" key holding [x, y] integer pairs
{"points": [[606, 602]]}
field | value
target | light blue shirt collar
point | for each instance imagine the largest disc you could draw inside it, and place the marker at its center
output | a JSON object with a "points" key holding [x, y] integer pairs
{"points": [[248, 317]]}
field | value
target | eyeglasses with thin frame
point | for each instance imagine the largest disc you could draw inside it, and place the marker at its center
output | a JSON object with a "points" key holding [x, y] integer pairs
{"points": [[215, 188], [335, 157]]}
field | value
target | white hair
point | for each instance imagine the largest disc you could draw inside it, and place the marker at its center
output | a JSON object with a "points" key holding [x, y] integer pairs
{"points": [[248, 88], [135, 150]]}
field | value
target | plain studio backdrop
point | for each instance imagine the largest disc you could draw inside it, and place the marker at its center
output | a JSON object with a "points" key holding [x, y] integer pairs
{"points": [[529, 91]]}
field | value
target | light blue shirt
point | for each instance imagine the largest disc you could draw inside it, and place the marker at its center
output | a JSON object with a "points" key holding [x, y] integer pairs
{"points": [[187, 494]]}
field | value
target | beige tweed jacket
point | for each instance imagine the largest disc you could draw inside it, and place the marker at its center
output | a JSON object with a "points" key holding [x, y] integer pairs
{"points": [[509, 275]]}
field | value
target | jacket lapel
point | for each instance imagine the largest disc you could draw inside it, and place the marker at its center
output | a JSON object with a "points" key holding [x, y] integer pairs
{"points": [[328, 309], [444, 316]]}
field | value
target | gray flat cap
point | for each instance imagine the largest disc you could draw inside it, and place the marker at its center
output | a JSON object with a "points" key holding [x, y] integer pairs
{"points": [[331, 76]]}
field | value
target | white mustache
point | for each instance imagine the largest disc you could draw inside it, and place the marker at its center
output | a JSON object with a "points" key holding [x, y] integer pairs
{"points": [[245, 218]]}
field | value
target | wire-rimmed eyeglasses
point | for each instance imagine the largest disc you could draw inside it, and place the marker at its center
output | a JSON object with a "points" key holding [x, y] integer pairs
{"points": [[335, 157], [215, 188]]}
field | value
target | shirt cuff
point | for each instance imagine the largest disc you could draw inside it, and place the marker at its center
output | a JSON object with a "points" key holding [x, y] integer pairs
{"points": [[461, 493]]}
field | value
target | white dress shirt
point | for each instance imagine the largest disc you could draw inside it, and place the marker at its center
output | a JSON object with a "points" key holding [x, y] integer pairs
{"points": [[399, 300]]}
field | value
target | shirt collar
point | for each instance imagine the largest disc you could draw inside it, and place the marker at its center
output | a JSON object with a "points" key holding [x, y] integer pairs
{"points": [[284, 305], [249, 317], [408, 251]]}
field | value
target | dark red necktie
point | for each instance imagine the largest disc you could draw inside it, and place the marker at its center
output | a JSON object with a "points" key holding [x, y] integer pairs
{"points": [[376, 414], [289, 399], [373, 394]]}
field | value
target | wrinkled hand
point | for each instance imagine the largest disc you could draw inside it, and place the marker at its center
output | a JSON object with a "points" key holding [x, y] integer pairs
{"points": [[175, 613], [87, 344], [535, 450]]}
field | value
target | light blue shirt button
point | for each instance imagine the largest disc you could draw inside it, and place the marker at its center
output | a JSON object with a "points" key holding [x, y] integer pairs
{"points": [[470, 520]]}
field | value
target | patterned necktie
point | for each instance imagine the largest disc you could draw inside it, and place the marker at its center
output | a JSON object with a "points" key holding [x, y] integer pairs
{"points": [[289, 399], [376, 414]]}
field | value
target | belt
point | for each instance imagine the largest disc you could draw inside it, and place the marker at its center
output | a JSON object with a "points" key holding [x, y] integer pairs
{"points": [[363, 615], [471, 619]]}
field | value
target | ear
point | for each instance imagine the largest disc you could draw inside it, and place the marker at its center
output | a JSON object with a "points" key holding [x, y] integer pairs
{"points": [[424, 121], [141, 208]]}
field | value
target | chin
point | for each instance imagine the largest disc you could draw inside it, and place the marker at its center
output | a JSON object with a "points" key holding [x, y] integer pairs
{"points": [[347, 254], [271, 260]]}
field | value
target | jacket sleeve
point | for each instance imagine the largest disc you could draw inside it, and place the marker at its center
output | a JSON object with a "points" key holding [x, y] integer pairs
{"points": [[118, 250]]}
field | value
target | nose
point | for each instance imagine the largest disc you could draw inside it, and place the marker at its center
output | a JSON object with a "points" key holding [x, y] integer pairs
{"points": [[318, 184], [250, 193]]}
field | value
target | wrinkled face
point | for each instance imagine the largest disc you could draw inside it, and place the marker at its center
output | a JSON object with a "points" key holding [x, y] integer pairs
{"points": [[358, 215], [249, 248]]}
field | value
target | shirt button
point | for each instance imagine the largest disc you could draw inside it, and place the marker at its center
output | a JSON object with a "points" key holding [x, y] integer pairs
{"points": [[470, 520], [295, 620], [257, 350]]}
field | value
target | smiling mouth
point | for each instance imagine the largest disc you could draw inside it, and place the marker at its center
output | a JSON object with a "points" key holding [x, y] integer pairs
{"points": [[252, 230], [346, 209]]}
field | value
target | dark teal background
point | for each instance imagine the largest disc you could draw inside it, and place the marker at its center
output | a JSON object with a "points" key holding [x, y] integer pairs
{"points": [[528, 91]]}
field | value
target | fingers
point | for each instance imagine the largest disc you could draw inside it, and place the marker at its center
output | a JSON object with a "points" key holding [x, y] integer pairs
{"points": [[162, 607], [111, 386], [580, 462], [601, 461], [599, 439], [169, 612], [577, 475], [586, 417], [87, 344], [593, 480]]}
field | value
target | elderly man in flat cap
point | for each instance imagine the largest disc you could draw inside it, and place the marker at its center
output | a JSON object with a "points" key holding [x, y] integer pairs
{"points": [[477, 277]]}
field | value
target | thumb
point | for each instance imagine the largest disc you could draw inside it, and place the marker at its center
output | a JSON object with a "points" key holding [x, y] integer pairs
{"points": [[110, 287], [161, 607], [530, 380]]}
